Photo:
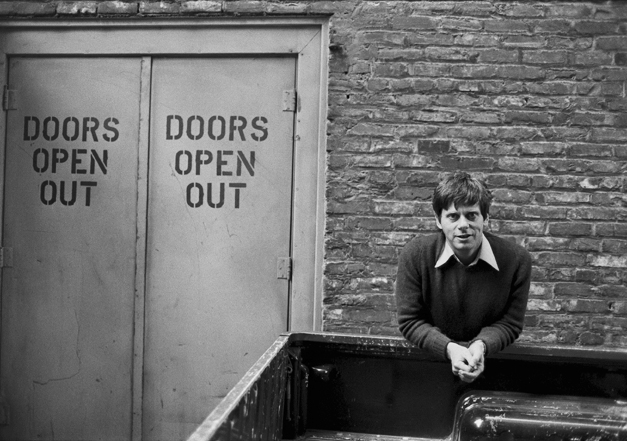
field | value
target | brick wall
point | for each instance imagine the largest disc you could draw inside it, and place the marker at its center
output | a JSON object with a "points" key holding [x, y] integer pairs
{"points": [[530, 95]]}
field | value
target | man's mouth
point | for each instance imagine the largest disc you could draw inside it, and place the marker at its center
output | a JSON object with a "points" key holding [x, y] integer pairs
{"points": [[464, 236]]}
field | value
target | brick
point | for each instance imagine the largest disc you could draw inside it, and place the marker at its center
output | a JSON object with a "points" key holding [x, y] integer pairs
{"points": [[524, 41], [512, 196], [608, 260], [412, 193], [581, 305], [559, 258], [481, 118], [467, 163], [574, 290], [27, 9], [616, 291], [568, 42], [591, 339], [544, 305], [464, 25], [530, 321], [381, 37], [597, 213], [596, 27], [520, 11], [370, 129], [332, 7], [371, 283], [117, 8], [570, 10], [567, 336], [615, 246], [544, 57], [608, 74], [590, 150], [394, 207], [607, 183], [353, 207], [244, 6], [370, 223], [541, 290], [543, 148], [593, 59], [585, 244], [612, 43], [560, 274], [287, 8], [414, 23], [555, 26], [586, 275], [434, 145], [536, 336], [507, 26], [618, 307], [551, 197], [523, 117], [440, 116], [415, 224], [516, 133], [77, 8], [608, 230], [542, 212], [547, 244], [521, 228]]}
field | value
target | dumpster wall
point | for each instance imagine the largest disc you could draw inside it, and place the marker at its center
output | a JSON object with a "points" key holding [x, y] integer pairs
{"points": [[529, 94], [385, 386]]}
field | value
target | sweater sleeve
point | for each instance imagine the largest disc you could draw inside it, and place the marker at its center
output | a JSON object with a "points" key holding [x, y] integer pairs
{"points": [[414, 319], [506, 330]]}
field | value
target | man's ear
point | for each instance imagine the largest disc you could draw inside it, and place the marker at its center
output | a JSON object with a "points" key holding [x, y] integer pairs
{"points": [[437, 220]]}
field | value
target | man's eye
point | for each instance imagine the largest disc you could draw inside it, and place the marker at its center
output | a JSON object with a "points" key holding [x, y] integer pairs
{"points": [[453, 217], [472, 216]]}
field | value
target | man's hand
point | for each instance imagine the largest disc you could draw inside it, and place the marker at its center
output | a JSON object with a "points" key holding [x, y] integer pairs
{"points": [[467, 364], [477, 349]]}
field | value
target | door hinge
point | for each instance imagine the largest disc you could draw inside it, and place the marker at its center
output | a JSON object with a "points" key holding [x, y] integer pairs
{"points": [[8, 99], [6, 257], [289, 100], [284, 268]]}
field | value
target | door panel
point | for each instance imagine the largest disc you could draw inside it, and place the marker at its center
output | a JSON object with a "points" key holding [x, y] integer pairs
{"points": [[219, 215], [70, 218]]}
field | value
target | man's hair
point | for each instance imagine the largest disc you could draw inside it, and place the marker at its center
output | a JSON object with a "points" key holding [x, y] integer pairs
{"points": [[461, 189]]}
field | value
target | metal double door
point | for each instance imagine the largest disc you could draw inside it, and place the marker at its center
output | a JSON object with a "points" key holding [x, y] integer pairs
{"points": [[146, 202]]}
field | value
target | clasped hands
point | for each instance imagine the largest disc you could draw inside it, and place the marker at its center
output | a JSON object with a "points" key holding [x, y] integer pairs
{"points": [[467, 363]]}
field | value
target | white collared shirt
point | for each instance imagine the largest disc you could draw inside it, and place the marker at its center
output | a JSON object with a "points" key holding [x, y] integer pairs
{"points": [[485, 253]]}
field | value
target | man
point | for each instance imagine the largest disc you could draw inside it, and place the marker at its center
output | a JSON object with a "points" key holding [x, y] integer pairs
{"points": [[462, 293]]}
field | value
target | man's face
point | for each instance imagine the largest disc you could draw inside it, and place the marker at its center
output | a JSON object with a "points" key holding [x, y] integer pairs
{"points": [[463, 228]]}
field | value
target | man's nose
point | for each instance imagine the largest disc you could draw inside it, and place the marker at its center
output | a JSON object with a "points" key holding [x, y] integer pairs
{"points": [[463, 223]]}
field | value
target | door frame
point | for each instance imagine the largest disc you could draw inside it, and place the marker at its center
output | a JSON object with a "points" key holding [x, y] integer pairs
{"points": [[304, 38]]}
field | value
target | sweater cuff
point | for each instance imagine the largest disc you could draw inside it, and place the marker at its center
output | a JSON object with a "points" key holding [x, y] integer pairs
{"points": [[485, 345], [438, 344]]}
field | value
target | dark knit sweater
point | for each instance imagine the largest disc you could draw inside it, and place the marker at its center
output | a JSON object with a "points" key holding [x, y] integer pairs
{"points": [[458, 303]]}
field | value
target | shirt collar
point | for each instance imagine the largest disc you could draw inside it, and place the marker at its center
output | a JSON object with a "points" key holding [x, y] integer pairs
{"points": [[485, 253]]}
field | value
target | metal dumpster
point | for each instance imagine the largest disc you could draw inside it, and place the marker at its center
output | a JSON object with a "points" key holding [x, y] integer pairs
{"points": [[384, 388]]}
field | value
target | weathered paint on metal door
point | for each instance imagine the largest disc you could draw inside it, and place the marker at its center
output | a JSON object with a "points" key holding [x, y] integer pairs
{"points": [[219, 216], [70, 219]]}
